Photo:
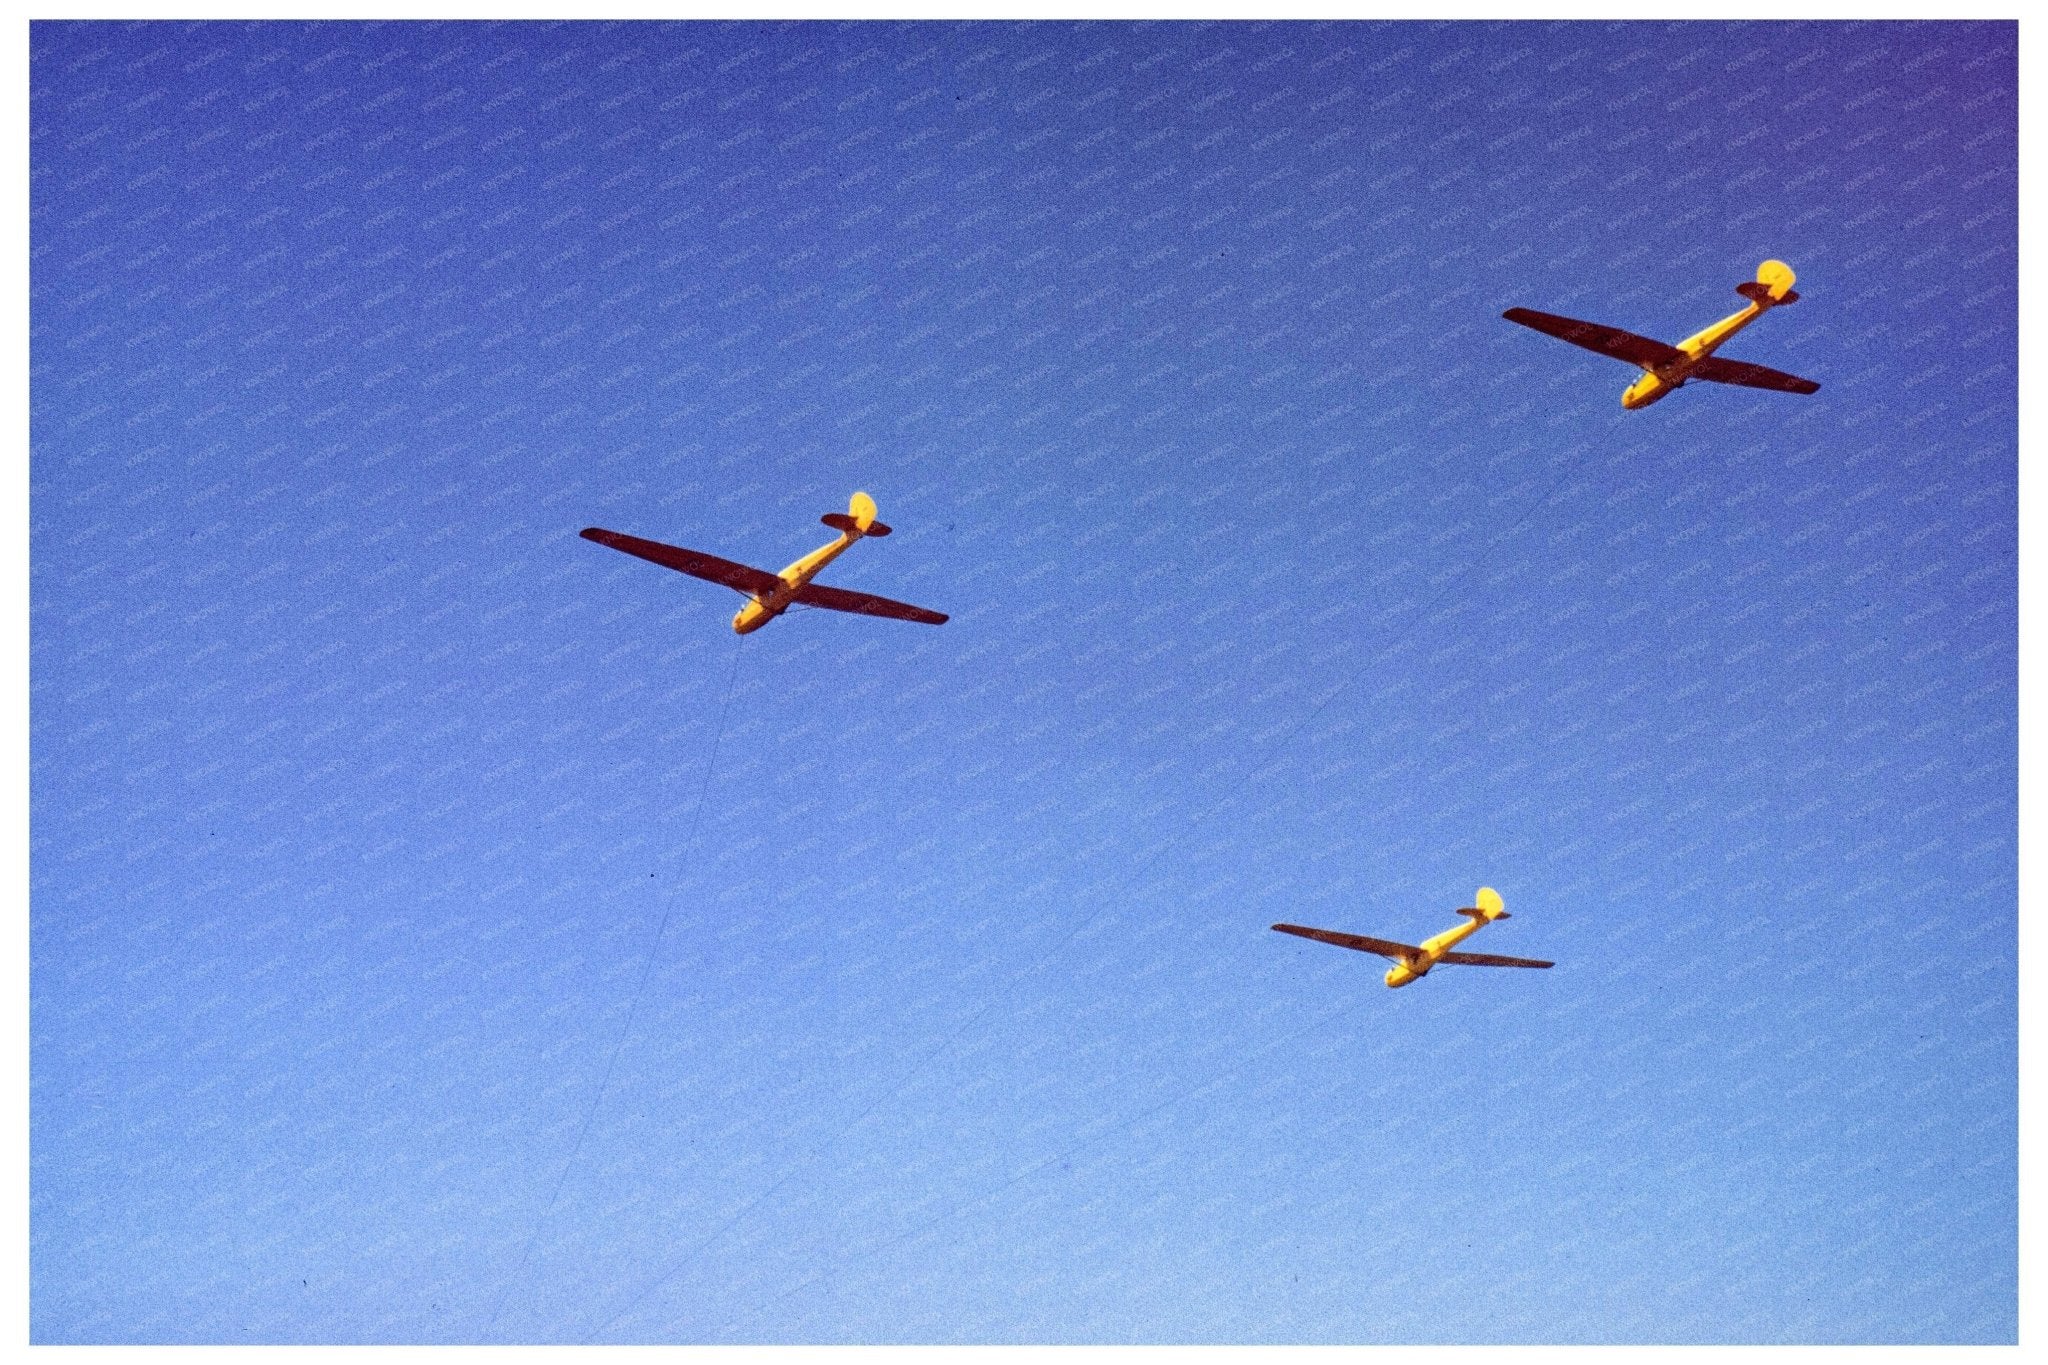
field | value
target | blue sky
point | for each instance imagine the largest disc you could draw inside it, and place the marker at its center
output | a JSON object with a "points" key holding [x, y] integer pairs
{"points": [[1288, 582]]}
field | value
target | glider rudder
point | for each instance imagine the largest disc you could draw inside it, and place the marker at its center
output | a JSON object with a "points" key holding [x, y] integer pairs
{"points": [[1487, 906], [1774, 280]]}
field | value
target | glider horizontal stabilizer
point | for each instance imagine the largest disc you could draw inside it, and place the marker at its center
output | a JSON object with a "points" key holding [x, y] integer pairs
{"points": [[738, 577], [1399, 952], [1758, 292], [839, 521], [1607, 341]]}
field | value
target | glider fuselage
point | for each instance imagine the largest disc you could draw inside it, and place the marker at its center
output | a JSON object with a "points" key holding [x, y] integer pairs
{"points": [[764, 607], [1655, 383]]}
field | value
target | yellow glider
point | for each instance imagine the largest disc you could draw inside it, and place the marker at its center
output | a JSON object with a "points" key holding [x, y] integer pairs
{"points": [[768, 594], [1667, 367], [1412, 962]]}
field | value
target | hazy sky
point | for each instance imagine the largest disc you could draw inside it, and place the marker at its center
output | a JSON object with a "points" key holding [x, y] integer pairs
{"points": [[1288, 582]]}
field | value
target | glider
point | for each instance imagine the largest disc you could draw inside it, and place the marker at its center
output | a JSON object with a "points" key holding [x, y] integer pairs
{"points": [[1413, 962], [769, 594], [1668, 367]]}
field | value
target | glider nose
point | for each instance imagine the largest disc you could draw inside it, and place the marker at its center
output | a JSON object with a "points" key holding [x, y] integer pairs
{"points": [[1643, 392]]}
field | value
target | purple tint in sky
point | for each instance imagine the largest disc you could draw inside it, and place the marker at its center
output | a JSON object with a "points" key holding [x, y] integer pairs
{"points": [[445, 929]]}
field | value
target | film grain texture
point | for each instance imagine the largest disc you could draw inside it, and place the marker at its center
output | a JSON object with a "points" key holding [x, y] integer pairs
{"points": [[406, 969]]}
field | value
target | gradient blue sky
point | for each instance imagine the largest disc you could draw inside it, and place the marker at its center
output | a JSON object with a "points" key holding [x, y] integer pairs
{"points": [[1288, 582]]}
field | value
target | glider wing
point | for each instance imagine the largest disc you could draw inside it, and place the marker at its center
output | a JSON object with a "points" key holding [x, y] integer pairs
{"points": [[738, 577], [1721, 371], [1399, 952], [1608, 341], [1491, 960], [866, 604]]}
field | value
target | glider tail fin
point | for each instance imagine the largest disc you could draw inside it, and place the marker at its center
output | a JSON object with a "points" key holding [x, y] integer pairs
{"points": [[858, 518], [1487, 906], [1773, 285]]}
